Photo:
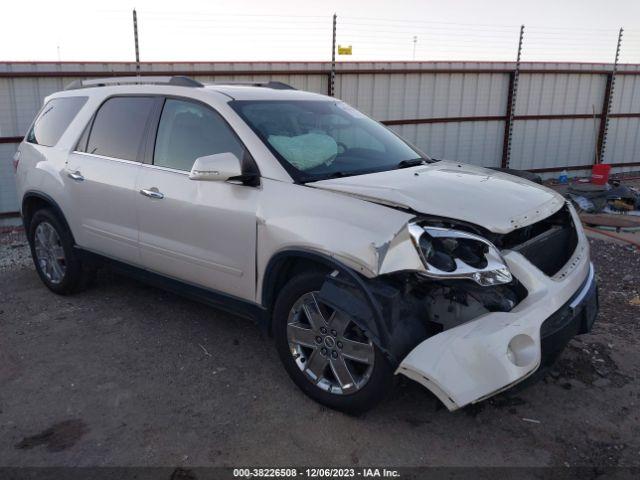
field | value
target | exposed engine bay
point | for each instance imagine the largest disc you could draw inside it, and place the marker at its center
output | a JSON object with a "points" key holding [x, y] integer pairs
{"points": [[404, 309]]}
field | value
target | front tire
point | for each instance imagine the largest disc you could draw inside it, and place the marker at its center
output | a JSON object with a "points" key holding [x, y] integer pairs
{"points": [[53, 253], [325, 353]]}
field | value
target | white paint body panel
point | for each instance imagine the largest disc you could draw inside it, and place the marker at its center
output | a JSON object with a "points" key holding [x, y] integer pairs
{"points": [[201, 232], [494, 200], [102, 216], [292, 216]]}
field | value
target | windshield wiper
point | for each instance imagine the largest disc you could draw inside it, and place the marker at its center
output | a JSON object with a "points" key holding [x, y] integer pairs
{"points": [[414, 162]]}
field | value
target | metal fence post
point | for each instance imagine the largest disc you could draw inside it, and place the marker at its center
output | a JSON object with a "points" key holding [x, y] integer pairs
{"points": [[332, 80], [135, 37], [608, 100], [511, 104]]}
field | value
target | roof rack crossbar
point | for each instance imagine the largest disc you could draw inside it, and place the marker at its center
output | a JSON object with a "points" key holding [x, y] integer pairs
{"points": [[270, 84], [179, 81]]}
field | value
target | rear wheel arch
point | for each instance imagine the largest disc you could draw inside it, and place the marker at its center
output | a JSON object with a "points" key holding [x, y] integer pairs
{"points": [[34, 201]]}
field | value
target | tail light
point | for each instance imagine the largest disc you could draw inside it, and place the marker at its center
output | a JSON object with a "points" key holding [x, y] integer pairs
{"points": [[16, 161]]}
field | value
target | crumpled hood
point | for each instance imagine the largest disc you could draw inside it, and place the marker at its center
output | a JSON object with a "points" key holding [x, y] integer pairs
{"points": [[496, 201]]}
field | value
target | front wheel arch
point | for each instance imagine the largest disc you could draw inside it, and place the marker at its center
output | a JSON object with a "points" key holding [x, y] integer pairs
{"points": [[286, 264]]}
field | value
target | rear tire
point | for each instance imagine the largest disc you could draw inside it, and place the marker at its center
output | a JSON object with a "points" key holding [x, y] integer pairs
{"points": [[372, 374], [53, 253]]}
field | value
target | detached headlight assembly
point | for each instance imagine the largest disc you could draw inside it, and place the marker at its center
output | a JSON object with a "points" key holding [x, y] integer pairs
{"points": [[454, 254]]}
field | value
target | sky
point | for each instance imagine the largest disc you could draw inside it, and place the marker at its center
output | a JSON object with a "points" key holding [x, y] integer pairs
{"points": [[259, 30]]}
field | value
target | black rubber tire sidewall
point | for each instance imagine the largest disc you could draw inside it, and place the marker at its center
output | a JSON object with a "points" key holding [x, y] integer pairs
{"points": [[73, 276], [377, 388]]}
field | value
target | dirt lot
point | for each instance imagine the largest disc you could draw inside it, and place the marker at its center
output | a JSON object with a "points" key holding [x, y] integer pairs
{"points": [[124, 374]]}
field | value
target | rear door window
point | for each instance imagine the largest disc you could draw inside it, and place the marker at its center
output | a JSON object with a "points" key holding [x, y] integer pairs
{"points": [[119, 127], [54, 119]]}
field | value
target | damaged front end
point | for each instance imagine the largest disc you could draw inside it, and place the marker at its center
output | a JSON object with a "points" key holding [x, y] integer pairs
{"points": [[467, 324], [398, 311]]}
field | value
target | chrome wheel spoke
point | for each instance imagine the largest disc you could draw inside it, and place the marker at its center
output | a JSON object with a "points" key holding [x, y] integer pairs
{"points": [[52, 236], [358, 351], [313, 313], [343, 375], [316, 365], [58, 252], [56, 271], [48, 269], [41, 238], [339, 323], [301, 335]]}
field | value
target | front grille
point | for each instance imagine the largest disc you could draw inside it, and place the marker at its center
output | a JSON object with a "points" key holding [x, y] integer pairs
{"points": [[547, 244]]}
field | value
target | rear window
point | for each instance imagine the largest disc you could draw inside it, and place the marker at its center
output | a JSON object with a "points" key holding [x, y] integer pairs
{"points": [[54, 119], [119, 126]]}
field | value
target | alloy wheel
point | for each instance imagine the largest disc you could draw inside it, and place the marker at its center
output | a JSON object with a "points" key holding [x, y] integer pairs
{"points": [[49, 253], [328, 347]]}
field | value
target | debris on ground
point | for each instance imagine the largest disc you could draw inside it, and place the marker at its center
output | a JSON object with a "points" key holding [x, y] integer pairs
{"points": [[608, 210], [607, 198], [619, 196], [530, 420]]}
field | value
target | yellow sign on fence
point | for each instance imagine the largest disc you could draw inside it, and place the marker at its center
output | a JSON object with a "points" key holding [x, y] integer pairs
{"points": [[346, 50]]}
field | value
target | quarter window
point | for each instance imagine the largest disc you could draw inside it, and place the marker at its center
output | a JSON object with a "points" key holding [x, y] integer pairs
{"points": [[189, 130], [54, 119], [119, 126]]}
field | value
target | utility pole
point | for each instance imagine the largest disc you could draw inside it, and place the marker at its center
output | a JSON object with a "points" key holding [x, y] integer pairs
{"points": [[332, 80], [415, 41], [135, 37], [606, 110], [511, 107]]}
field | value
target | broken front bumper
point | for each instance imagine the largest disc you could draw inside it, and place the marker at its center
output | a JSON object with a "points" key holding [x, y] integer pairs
{"points": [[483, 357]]}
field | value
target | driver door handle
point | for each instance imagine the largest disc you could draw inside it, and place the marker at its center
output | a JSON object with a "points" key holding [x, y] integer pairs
{"points": [[77, 176], [152, 193]]}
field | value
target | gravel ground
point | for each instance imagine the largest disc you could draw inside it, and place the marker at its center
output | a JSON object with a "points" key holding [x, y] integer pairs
{"points": [[125, 374], [14, 251]]}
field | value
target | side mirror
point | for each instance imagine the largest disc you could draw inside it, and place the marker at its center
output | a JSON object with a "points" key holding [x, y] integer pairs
{"points": [[220, 167]]}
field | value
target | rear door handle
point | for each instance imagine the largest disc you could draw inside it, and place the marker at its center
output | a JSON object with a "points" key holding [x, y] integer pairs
{"points": [[77, 176], [152, 193]]}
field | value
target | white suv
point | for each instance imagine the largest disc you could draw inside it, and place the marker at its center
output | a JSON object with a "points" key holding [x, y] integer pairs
{"points": [[360, 255]]}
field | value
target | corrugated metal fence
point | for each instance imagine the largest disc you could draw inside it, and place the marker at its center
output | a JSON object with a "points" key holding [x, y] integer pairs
{"points": [[450, 110]]}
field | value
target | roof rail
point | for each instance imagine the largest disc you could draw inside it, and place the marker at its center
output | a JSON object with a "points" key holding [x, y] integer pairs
{"points": [[179, 81], [270, 84]]}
